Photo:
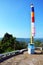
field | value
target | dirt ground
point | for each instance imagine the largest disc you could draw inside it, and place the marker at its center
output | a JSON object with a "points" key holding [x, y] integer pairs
{"points": [[24, 59]]}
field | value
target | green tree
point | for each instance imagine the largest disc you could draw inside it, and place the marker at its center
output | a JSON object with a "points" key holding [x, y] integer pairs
{"points": [[20, 45], [1, 48], [37, 43], [8, 42]]}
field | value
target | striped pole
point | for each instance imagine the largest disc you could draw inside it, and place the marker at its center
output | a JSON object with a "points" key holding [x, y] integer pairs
{"points": [[32, 23]]}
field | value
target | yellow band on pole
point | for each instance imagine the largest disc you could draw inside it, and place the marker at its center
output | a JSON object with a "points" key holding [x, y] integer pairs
{"points": [[31, 34], [32, 14]]}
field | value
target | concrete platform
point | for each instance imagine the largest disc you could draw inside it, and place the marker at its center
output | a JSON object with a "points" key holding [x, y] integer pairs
{"points": [[25, 59]]}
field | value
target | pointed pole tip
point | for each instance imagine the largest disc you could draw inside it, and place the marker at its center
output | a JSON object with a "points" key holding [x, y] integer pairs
{"points": [[32, 5]]}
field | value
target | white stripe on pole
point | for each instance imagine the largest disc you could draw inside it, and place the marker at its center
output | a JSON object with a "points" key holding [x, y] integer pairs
{"points": [[33, 29]]}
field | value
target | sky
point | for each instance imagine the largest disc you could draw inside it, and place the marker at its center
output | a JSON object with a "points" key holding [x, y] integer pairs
{"points": [[15, 18]]}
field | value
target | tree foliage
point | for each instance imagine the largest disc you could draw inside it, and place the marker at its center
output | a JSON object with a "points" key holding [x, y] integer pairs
{"points": [[9, 43], [37, 43]]}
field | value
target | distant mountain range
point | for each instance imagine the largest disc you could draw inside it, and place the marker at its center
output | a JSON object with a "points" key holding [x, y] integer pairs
{"points": [[0, 38], [27, 39]]}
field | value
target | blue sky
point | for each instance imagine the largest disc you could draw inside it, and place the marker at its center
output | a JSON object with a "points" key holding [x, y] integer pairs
{"points": [[15, 17]]}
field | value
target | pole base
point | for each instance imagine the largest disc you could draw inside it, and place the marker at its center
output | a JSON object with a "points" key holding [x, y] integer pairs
{"points": [[31, 48]]}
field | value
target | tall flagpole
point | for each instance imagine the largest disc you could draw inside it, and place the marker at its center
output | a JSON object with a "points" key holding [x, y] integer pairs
{"points": [[31, 47], [32, 24]]}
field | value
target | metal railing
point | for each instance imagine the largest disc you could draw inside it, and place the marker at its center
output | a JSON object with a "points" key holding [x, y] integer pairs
{"points": [[12, 53]]}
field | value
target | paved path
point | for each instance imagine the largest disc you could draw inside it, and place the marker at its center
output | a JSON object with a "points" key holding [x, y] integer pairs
{"points": [[24, 59]]}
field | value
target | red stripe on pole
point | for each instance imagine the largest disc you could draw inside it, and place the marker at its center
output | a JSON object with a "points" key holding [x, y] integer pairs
{"points": [[32, 19]]}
